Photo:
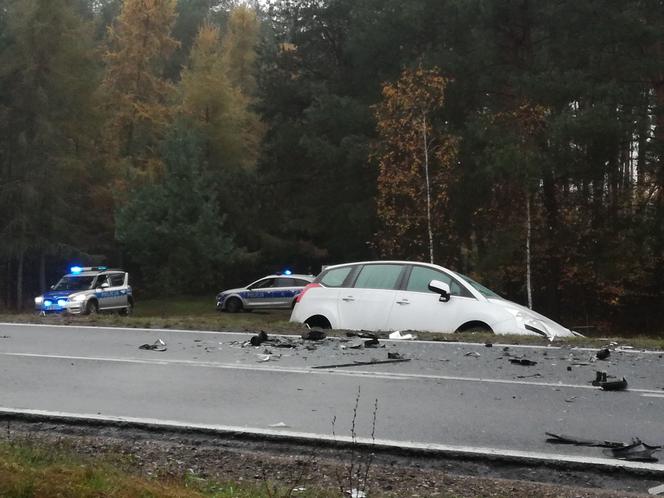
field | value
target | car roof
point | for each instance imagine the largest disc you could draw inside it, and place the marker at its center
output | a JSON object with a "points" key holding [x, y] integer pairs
{"points": [[293, 275], [93, 273], [387, 261]]}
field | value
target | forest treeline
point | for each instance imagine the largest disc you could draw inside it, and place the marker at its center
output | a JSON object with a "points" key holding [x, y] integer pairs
{"points": [[201, 143]]}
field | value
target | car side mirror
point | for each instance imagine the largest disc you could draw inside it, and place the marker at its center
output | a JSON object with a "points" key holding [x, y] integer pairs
{"points": [[440, 288], [52, 286]]}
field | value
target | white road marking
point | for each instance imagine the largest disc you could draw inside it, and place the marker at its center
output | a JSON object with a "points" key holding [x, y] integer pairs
{"points": [[309, 371], [654, 395], [387, 443]]}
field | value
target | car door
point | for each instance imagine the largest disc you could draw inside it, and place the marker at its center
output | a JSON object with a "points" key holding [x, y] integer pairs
{"points": [[117, 290], [258, 293], [366, 305], [103, 292], [418, 308], [281, 295]]}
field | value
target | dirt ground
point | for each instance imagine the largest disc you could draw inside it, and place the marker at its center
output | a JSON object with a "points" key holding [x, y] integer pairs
{"points": [[164, 455]]}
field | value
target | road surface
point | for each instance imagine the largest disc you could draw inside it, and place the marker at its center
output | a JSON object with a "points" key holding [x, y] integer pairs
{"points": [[448, 396]]}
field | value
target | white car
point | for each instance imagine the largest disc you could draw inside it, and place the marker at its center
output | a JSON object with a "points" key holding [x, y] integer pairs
{"points": [[404, 295]]}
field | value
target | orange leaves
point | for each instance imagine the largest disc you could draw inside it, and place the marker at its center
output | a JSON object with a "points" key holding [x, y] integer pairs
{"points": [[414, 160]]}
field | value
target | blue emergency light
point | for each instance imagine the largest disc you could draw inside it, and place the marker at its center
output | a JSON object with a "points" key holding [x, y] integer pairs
{"points": [[75, 269], [288, 272]]}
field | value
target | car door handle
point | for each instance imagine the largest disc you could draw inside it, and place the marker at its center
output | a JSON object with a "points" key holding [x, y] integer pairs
{"points": [[403, 301], [348, 298]]}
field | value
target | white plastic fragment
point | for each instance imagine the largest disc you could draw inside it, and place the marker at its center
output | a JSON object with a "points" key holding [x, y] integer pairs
{"points": [[279, 424], [357, 493], [404, 337]]}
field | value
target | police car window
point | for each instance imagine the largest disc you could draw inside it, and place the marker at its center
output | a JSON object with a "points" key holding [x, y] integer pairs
{"points": [[263, 284], [117, 279], [378, 277], [300, 283], [74, 283], [285, 282], [420, 276], [335, 277]]}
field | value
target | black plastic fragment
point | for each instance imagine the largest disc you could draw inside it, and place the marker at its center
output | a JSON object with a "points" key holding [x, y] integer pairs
{"points": [[523, 361], [314, 335], [603, 353], [259, 339]]}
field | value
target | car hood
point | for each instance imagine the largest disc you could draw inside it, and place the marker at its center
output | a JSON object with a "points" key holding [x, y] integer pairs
{"points": [[546, 325], [58, 294], [232, 291]]}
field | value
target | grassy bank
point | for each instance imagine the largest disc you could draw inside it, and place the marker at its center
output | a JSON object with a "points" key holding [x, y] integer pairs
{"points": [[199, 313], [30, 469]]}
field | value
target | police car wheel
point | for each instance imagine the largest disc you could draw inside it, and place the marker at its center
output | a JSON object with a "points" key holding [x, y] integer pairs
{"points": [[233, 305], [127, 311], [91, 308]]}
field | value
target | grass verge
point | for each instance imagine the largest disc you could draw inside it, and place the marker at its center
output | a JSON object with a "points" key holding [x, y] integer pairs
{"points": [[29, 469]]}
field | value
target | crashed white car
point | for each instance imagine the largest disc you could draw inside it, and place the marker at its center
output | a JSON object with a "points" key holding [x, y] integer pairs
{"points": [[404, 295]]}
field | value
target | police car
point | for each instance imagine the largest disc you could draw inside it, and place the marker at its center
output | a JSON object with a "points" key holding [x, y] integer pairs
{"points": [[276, 291], [88, 290]]}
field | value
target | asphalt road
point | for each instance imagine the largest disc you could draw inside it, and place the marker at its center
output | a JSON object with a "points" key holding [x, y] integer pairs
{"points": [[445, 396]]}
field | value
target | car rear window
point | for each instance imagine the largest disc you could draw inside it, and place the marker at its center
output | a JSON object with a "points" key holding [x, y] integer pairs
{"points": [[335, 277], [378, 277]]}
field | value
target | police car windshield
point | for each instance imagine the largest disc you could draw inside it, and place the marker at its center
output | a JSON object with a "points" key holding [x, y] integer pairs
{"points": [[74, 283]]}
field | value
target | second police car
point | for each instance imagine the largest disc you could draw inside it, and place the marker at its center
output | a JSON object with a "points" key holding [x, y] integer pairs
{"points": [[88, 290], [276, 291]]}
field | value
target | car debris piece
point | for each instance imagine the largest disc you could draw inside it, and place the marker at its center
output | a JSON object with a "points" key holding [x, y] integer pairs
{"points": [[523, 361], [264, 357], [603, 354], [360, 363], [474, 354], [399, 336], [614, 385], [637, 451], [363, 335], [371, 343], [599, 378], [565, 439], [157, 345], [279, 424], [657, 490], [394, 356], [259, 339], [488, 345], [313, 335]]}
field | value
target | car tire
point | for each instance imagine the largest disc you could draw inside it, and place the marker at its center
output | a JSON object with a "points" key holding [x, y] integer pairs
{"points": [[128, 310], [475, 328], [233, 305], [91, 308]]}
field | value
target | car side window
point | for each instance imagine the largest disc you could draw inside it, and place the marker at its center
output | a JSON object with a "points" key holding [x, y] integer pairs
{"points": [[263, 284], [335, 277], [420, 276], [101, 279], [117, 280], [378, 277], [284, 282]]}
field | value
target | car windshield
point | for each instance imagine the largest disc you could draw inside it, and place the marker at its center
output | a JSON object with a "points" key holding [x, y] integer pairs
{"points": [[74, 283], [479, 287]]}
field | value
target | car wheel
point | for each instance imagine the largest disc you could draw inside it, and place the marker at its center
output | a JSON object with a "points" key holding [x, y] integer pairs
{"points": [[233, 305], [475, 328], [318, 321], [91, 308], [128, 310]]}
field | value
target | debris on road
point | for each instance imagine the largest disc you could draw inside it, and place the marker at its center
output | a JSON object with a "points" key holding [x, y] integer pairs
{"points": [[615, 385], [264, 357], [603, 354], [397, 335], [157, 345], [474, 354], [259, 339], [637, 451], [363, 335], [394, 356], [371, 343], [528, 376], [279, 424], [361, 363], [313, 335], [565, 439], [488, 345], [601, 380], [523, 361]]}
